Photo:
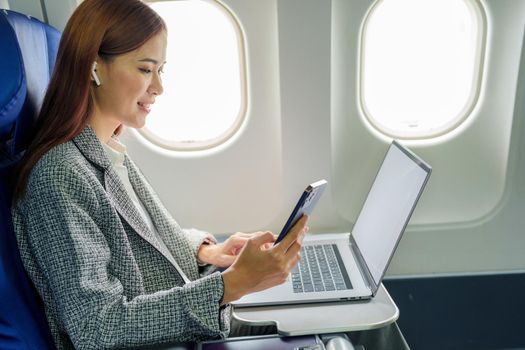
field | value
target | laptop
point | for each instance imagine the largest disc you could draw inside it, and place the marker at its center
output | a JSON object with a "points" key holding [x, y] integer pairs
{"points": [[351, 266]]}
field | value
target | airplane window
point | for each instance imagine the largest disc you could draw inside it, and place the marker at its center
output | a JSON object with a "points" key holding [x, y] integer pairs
{"points": [[421, 64], [204, 99]]}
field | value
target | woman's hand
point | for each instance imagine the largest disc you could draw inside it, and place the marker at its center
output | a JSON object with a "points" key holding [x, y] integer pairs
{"points": [[260, 265], [224, 254]]}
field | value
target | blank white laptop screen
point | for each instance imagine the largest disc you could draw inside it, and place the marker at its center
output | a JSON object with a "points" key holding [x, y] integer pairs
{"points": [[388, 204]]}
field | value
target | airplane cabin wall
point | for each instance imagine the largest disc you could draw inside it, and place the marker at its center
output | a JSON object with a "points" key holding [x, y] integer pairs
{"points": [[236, 186], [494, 242], [462, 223], [304, 123], [286, 49], [54, 12]]}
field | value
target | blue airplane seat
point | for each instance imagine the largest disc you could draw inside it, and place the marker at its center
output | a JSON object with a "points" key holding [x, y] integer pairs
{"points": [[28, 50]]}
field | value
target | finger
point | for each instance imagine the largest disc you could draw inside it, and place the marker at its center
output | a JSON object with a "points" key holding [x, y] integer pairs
{"points": [[261, 238], [294, 261], [267, 246], [292, 235], [244, 235], [293, 251], [302, 235], [237, 241]]}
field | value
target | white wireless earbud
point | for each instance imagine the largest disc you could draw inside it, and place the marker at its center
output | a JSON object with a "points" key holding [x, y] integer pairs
{"points": [[94, 75]]}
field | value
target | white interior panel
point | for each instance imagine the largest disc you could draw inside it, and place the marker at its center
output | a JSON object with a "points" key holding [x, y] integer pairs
{"points": [[304, 46], [28, 7], [236, 186], [470, 217], [470, 163], [58, 12], [304, 124]]}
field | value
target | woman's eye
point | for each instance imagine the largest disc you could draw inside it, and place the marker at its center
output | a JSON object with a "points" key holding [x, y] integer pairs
{"points": [[145, 70]]}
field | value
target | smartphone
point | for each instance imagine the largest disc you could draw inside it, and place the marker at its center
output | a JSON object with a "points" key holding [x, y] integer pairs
{"points": [[305, 205]]}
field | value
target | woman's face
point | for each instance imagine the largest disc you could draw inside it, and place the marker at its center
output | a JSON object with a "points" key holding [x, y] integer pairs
{"points": [[130, 83]]}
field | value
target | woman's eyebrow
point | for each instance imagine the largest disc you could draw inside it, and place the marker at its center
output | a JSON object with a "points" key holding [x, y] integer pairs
{"points": [[151, 60]]}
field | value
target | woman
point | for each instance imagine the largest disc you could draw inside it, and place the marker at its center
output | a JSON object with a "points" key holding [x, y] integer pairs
{"points": [[112, 266]]}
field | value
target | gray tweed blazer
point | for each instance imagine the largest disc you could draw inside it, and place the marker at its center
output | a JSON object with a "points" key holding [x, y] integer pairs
{"points": [[105, 280]]}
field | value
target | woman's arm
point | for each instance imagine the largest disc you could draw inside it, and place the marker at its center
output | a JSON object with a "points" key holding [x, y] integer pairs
{"points": [[69, 237]]}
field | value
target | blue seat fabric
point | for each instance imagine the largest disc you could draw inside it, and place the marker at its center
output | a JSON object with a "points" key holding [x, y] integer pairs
{"points": [[27, 56]]}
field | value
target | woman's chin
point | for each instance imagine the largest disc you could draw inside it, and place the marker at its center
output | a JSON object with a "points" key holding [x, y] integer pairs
{"points": [[139, 123]]}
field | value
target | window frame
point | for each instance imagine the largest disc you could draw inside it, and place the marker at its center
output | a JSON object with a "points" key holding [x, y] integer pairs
{"points": [[462, 116], [233, 129]]}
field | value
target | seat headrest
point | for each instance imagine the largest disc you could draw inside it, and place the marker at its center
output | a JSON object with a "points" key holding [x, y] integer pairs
{"points": [[13, 91], [31, 45]]}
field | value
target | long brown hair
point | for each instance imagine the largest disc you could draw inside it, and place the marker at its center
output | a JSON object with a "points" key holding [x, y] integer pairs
{"points": [[106, 28]]}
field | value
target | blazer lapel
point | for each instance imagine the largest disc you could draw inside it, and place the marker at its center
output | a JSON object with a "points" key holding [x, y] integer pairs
{"points": [[90, 146], [125, 207], [168, 229]]}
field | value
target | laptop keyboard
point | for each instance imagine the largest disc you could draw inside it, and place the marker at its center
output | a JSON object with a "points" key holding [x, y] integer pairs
{"points": [[320, 270]]}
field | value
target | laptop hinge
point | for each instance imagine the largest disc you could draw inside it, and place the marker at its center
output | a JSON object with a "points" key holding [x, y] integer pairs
{"points": [[363, 267]]}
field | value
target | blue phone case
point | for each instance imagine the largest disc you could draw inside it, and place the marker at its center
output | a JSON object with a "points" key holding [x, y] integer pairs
{"points": [[305, 205]]}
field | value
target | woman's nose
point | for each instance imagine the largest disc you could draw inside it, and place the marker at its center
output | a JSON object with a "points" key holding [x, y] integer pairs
{"points": [[155, 87]]}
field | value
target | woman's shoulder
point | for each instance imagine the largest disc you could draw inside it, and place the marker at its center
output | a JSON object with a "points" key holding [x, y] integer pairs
{"points": [[61, 165], [62, 177], [63, 157]]}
